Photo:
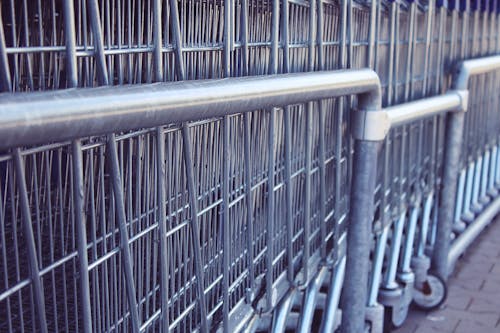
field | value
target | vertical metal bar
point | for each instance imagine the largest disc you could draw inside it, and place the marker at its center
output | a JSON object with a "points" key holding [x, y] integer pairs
{"points": [[467, 213], [378, 19], [410, 238], [342, 102], [425, 225], [389, 281], [284, 36], [161, 170], [349, 100], [80, 222], [409, 59], [288, 193], [483, 197], [378, 261], [41, 63], [5, 80], [465, 29], [244, 36], [310, 300], [454, 35], [227, 36], [476, 205], [322, 179], [329, 315], [392, 42], [174, 17], [248, 197], [69, 33], [428, 38], [275, 21], [372, 33], [95, 21], [395, 37], [307, 196], [460, 197], [116, 181], [453, 144], [226, 231], [312, 35], [270, 210], [492, 191], [358, 242], [157, 39], [34, 268], [344, 21], [319, 35], [195, 229], [271, 161], [29, 66], [287, 146], [162, 229]]}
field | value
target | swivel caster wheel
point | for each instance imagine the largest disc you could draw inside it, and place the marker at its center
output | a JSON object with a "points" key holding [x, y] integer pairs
{"points": [[431, 295]]}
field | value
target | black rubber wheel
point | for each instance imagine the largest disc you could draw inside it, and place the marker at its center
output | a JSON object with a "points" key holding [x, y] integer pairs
{"points": [[388, 325], [391, 323], [432, 294]]}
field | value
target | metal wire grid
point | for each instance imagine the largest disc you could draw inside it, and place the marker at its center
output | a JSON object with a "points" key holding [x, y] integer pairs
{"points": [[479, 154], [128, 60], [49, 169], [395, 169], [116, 41], [482, 117], [412, 155]]}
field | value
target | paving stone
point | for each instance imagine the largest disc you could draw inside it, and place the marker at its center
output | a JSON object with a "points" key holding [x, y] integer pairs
{"points": [[459, 301], [426, 329], [456, 292], [496, 269], [472, 284], [479, 264], [474, 327], [438, 323], [491, 287], [481, 305], [488, 319]]}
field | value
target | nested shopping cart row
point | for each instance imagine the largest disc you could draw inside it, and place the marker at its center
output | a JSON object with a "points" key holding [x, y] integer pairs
{"points": [[282, 176], [52, 45], [196, 259]]}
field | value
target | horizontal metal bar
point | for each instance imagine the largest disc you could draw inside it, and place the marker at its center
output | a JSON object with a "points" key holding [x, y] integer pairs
{"points": [[35, 118], [406, 113], [473, 230], [472, 67], [374, 126]]}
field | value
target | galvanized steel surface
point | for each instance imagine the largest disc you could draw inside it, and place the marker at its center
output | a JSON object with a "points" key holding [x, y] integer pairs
{"points": [[156, 203]]}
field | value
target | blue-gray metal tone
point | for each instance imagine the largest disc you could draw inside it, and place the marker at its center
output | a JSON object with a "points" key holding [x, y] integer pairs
{"points": [[170, 104], [162, 207]]}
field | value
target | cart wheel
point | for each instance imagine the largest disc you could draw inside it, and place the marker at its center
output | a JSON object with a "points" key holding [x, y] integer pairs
{"points": [[394, 318], [388, 325], [432, 294]]}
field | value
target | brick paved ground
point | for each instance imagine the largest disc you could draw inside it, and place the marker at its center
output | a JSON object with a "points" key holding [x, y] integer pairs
{"points": [[473, 304]]}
